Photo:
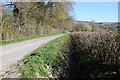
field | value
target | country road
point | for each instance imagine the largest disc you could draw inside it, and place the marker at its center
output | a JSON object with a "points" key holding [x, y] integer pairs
{"points": [[16, 51]]}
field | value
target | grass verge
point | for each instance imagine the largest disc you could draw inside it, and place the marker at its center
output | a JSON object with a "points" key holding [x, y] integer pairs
{"points": [[47, 61], [22, 39]]}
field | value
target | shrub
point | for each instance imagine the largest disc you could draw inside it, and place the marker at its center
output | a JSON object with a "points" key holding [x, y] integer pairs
{"points": [[94, 55]]}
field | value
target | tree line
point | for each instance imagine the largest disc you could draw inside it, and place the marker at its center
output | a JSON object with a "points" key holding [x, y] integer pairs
{"points": [[28, 19]]}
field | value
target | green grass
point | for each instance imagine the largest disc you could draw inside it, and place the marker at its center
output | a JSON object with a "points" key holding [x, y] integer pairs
{"points": [[22, 39], [54, 54]]}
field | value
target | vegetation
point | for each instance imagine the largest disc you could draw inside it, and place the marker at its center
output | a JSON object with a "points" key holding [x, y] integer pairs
{"points": [[83, 55], [111, 26], [80, 27], [89, 53], [47, 61], [21, 39], [94, 55], [35, 19]]}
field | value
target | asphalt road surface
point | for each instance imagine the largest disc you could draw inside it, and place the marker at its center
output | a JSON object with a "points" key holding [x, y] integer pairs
{"points": [[11, 53]]}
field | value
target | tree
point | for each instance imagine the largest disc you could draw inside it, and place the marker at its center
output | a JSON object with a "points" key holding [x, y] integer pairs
{"points": [[38, 18]]}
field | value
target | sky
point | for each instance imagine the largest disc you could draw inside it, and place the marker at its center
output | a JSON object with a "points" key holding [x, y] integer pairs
{"points": [[98, 11]]}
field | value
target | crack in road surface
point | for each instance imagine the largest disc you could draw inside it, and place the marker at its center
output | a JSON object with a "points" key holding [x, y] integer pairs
{"points": [[11, 53]]}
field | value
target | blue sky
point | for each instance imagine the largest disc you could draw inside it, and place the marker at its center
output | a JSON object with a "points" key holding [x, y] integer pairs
{"points": [[98, 11]]}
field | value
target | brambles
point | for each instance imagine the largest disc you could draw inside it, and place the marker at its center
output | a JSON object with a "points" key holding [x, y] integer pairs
{"points": [[100, 45], [94, 55]]}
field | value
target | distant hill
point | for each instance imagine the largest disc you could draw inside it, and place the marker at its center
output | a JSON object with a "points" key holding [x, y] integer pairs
{"points": [[109, 23], [109, 26], [101, 23]]}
